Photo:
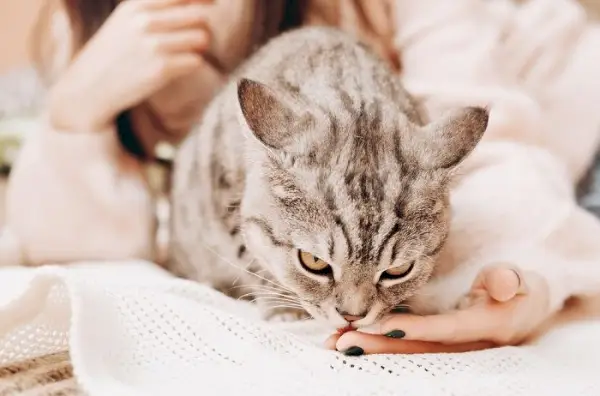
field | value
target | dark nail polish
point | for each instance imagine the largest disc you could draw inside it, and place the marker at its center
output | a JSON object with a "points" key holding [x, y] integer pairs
{"points": [[395, 334], [354, 351], [400, 309]]}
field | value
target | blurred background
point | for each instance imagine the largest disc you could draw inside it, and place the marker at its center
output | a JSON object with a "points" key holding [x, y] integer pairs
{"points": [[17, 21]]}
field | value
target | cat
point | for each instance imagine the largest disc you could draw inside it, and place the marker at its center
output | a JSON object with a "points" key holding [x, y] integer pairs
{"points": [[313, 184]]}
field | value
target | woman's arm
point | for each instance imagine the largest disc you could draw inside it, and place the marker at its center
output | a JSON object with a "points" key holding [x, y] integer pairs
{"points": [[545, 48], [74, 196]]}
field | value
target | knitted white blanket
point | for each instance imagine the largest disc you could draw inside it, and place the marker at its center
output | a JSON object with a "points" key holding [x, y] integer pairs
{"points": [[132, 329]]}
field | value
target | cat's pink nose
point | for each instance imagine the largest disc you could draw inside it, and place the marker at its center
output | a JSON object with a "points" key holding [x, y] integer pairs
{"points": [[352, 318]]}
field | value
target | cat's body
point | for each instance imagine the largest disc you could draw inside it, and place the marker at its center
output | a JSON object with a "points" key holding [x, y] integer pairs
{"points": [[314, 146]]}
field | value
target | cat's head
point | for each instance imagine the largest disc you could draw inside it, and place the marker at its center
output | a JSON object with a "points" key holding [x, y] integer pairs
{"points": [[348, 209]]}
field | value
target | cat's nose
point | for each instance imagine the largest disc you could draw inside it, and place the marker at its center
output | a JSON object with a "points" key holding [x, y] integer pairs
{"points": [[349, 317]]}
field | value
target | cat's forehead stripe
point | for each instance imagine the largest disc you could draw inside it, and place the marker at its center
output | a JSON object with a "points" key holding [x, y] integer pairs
{"points": [[342, 226], [386, 239]]}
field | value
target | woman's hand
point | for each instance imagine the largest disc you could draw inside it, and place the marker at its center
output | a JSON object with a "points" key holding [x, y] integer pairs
{"points": [[504, 307], [143, 45]]}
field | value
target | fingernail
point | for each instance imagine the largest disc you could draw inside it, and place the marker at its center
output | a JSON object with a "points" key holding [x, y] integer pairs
{"points": [[354, 351], [400, 309], [395, 334]]}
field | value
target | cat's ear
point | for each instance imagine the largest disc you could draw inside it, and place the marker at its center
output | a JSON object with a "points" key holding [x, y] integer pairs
{"points": [[269, 115], [444, 143]]}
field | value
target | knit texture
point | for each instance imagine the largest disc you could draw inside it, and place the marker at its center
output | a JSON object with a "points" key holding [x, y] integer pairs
{"points": [[132, 329]]}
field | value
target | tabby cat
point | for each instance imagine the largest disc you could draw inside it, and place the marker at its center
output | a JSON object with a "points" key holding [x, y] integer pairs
{"points": [[313, 183]]}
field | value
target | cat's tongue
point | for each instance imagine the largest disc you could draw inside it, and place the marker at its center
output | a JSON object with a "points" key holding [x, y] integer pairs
{"points": [[345, 329]]}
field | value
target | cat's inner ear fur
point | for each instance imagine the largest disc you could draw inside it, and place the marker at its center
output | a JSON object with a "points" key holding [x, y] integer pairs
{"points": [[272, 117], [444, 143]]}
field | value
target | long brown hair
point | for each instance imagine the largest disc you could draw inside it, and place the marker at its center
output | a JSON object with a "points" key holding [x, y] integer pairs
{"points": [[86, 17]]}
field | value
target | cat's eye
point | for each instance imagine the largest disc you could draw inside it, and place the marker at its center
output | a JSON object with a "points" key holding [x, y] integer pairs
{"points": [[313, 264], [398, 272]]}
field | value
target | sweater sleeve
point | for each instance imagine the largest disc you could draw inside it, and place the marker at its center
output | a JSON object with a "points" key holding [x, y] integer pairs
{"points": [[75, 195], [515, 206], [545, 49]]}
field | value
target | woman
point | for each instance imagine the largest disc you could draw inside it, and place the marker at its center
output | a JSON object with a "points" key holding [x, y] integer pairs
{"points": [[142, 71]]}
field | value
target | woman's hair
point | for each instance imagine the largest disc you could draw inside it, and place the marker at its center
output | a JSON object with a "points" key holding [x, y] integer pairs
{"points": [[86, 17]]}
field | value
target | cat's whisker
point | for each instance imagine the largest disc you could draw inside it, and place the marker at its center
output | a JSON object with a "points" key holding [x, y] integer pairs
{"points": [[265, 288], [261, 271], [270, 291], [275, 296], [258, 294], [283, 306], [264, 269], [270, 302], [277, 291], [213, 251], [268, 295], [240, 275]]}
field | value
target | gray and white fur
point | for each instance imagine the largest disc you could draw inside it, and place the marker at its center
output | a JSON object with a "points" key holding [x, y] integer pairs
{"points": [[314, 145]]}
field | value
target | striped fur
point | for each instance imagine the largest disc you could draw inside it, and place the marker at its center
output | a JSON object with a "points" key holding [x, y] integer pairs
{"points": [[315, 145]]}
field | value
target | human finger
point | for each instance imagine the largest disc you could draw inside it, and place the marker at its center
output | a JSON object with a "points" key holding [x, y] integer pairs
{"points": [[155, 4], [355, 343], [379, 16], [500, 283], [181, 64], [183, 41], [180, 17], [476, 323], [332, 340]]}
